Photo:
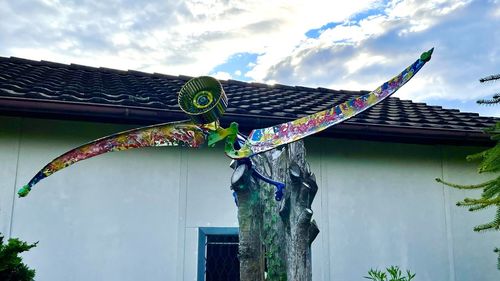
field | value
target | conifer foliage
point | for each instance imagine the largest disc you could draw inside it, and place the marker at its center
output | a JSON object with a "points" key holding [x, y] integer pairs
{"points": [[12, 267], [489, 163], [496, 97]]}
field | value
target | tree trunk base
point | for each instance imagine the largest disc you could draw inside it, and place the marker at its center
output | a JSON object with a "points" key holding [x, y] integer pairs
{"points": [[282, 231]]}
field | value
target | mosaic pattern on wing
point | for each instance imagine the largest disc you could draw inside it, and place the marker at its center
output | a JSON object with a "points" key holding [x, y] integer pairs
{"points": [[261, 140], [168, 134]]}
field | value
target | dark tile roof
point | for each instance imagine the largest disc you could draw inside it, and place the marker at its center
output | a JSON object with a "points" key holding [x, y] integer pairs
{"points": [[75, 91]]}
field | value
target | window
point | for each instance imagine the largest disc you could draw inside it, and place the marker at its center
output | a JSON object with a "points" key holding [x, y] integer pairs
{"points": [[218, 254]]}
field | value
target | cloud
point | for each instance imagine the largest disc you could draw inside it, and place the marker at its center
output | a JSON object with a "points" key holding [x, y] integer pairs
{"points": [[86, 32], [237, 64], [264, 26], [176, 37], [337, 44], [363, 53], [222, 75]]}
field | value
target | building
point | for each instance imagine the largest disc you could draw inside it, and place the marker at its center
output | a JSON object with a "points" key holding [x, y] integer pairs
{"points": [[141, 214]]}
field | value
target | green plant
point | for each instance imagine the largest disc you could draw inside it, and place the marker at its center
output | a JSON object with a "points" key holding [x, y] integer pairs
{"points": [[490, 197], [489, 163], [11, 266], [394, 274]]}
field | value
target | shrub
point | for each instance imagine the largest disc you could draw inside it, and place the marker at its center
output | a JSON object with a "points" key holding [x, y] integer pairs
{"points": [[12, 267], [395, 274]]}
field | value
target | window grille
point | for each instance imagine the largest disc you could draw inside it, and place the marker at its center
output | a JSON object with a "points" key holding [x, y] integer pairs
{"points": [[218, 255]]}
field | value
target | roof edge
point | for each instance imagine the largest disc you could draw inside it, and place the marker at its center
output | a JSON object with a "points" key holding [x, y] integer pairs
{"points": [[146, 116]]}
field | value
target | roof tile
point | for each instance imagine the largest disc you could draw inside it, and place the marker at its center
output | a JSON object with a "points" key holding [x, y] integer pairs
{"points": [[55, 82]]}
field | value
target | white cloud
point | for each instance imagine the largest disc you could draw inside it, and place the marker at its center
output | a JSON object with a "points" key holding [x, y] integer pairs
{"points": [[221, 75], [496, 11], [362, 55], [120, 39], [192, 37], [361, 61]]}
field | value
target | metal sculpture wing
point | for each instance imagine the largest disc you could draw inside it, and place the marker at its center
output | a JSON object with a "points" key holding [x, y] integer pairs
{"points": [[261, 140], [168, 134], [204, 100]]}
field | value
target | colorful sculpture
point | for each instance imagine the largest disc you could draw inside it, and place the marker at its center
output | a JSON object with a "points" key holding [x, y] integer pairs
{"points": [[204, 100]]}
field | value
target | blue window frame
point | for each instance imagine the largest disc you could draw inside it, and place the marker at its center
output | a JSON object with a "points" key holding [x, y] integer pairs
{"points": [[213, 241]]}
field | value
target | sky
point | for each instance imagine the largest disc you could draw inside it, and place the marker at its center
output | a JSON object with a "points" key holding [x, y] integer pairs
{"points": [[351, 45]]}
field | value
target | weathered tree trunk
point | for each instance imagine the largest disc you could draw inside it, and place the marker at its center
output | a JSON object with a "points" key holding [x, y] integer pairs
{"points": [[286, 228], [296, 214], [273, 165], [250, 251]]}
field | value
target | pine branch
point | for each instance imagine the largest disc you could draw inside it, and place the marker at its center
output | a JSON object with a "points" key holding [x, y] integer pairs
{"points": [[490, 78], [481, 201], [478, 207], [489, 162], [494, 100], [491, 191], [493, 225], [460, 186], [490, 158]]}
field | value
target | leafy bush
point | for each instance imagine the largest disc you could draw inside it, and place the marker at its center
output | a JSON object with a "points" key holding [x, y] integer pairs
{"points": [[395, 274], [11, 266]]}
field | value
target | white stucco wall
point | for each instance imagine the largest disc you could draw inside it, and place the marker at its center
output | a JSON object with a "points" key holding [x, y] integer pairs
{"points": [[134, 215]]}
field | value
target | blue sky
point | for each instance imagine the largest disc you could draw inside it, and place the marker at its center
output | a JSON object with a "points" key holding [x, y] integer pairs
{"points": [[353, 45]]}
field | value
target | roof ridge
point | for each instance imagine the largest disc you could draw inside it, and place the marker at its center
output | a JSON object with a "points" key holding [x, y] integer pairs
{"points": [[112, 70], [22, 59], [236, 82], [181, 76], [81, 66]]}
